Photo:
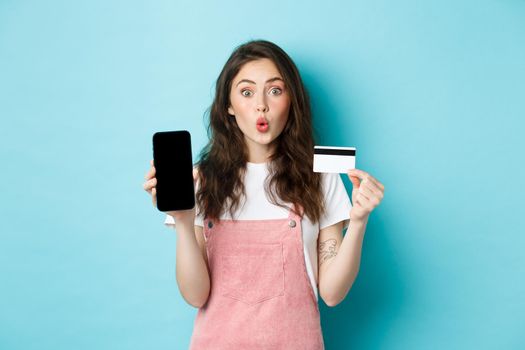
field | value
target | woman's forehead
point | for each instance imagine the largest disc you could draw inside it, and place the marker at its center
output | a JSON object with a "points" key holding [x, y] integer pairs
{"points": [[257, 71]]}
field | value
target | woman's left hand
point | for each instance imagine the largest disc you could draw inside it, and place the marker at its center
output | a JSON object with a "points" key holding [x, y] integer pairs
{"points": [[367, 193]]}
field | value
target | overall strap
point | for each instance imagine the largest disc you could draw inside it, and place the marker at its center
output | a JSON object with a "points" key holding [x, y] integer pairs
{"points": [[296, 211]]}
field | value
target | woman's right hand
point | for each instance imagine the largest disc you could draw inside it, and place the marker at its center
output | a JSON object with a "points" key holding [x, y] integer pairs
{"points": [[180, 216]]}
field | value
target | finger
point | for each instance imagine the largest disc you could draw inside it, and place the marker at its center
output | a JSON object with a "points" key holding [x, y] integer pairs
{"points": [[148, 185], [378, 183], [150, 173], [154, 196], [373, 187], [365, 190], [362, 196], [373, 201], [360, 202], [373, 180], [355, 181], [358, 172], [365, 203], [363, 175]]}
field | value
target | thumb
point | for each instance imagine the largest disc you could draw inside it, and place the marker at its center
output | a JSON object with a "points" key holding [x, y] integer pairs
{"points": [[355, 181]]}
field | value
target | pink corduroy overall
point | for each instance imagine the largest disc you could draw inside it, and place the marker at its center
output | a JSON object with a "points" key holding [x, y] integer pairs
{"points": [[260, 297]]}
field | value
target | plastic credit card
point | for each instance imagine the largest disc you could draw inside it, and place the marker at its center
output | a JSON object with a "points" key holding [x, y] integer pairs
{"points": [[333, 159]]}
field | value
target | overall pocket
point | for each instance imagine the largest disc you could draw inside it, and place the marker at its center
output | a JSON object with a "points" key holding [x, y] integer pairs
{"points": [[252, 273]]}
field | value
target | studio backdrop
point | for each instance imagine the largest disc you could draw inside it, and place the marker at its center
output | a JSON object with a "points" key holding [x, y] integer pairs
{"points": [[431, 93]]}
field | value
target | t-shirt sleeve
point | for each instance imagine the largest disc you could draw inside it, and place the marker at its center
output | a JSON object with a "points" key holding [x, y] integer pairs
{"points": [[199, 219], [170, 220], [337, 202]]}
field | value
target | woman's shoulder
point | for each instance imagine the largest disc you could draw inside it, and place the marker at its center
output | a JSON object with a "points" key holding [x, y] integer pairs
{"points": [[331, 182], [337, 201]]}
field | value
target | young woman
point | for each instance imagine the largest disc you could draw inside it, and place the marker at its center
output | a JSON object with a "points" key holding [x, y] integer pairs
{"points": [[266, 237]]}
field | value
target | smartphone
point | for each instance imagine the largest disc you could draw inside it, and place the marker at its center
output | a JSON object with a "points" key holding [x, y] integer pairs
{"points": [[174, 170]]}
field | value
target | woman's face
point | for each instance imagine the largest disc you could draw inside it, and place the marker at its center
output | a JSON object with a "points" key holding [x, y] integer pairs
{"points": [[260, 104]]}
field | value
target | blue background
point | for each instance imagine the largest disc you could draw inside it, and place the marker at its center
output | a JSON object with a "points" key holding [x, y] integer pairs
{"points": [[432, 94]]}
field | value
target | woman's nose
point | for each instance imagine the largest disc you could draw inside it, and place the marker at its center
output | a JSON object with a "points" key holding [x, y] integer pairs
{"points": [[262, 108], [261, 105]]}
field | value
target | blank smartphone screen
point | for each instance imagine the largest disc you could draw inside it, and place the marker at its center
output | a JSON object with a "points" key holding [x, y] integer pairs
{"points": [[174, 170]]}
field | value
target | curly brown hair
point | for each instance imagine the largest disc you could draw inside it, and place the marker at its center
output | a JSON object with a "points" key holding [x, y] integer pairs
{"points": [[222, 163]]}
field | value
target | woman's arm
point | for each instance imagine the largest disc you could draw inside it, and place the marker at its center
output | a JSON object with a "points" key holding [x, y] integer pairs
{"points": [[339, 260], [192, 273]]}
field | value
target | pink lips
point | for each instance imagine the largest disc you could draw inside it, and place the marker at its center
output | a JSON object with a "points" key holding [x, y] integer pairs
{"points": [[262, 124]]}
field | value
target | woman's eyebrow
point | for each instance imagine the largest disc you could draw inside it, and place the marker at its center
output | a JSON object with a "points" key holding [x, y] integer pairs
{"points": [[253, 82]]}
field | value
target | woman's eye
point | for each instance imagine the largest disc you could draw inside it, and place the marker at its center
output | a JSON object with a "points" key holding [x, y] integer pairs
{"points": [[246, 93], [276, 91]]}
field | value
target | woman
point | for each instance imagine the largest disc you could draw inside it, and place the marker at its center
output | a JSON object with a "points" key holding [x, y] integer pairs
{"points": [[266, 238]]}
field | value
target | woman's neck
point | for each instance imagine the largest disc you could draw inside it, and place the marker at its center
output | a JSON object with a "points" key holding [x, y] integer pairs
{"points": [[260, 153], [258, 158]]}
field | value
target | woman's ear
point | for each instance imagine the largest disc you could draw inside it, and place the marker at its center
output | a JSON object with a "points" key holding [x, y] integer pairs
{"points": [[231, 111]]}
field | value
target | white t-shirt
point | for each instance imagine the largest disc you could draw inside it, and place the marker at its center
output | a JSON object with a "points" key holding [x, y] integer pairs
{"points": [[256, 206]]}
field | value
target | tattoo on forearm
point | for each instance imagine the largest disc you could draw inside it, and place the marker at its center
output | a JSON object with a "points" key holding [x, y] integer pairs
{"points": [[327, 250]]}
